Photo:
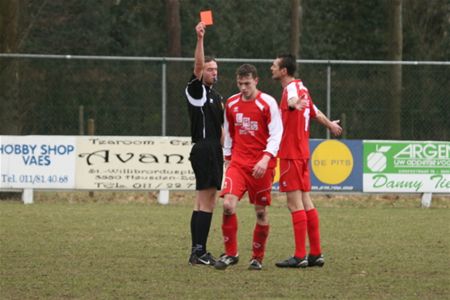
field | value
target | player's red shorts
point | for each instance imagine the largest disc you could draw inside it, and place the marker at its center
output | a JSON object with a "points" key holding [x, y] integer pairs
{"points": [[239, 179], [294, 175]]}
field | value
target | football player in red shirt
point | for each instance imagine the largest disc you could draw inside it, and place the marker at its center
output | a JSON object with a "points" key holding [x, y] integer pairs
{"points": [[253, 130], [297, 109]]}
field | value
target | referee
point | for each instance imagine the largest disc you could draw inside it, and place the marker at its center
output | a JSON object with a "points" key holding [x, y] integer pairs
{"points": [[206, 118]]}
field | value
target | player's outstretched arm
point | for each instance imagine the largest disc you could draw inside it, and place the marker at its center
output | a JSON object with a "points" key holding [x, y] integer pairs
{"points": [[333, 126]]}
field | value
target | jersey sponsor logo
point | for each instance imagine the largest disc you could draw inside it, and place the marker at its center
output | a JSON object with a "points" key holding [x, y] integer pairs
{"points": [[239, 117], [246, 125]]}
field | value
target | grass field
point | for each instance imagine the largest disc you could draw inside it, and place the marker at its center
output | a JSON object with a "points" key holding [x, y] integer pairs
{"points": [[68, 246]]}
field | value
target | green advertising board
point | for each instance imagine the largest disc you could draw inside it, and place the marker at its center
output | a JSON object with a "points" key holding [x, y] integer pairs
{"points": [[406, 166]]}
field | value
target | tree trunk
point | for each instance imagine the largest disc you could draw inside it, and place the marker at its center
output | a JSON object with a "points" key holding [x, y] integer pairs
{"points": [[8, 25], [295, 28], [173, 27], [9, 68], [395, 53], [173, 125]]}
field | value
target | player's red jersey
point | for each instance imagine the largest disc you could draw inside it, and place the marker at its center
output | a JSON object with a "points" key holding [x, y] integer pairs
{"points": [[295, 141], [252, 128]]}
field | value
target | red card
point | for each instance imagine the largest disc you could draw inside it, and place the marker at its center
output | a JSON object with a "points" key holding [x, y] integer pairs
{"points": [[206, 17]]}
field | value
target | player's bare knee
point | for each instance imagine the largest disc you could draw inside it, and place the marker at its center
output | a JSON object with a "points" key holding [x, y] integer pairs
{"points": [[228, 208], [227, 212], [212, 195], [261, 216]]}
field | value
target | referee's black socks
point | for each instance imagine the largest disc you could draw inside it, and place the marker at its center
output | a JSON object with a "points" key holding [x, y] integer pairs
{"points": [[193, 234], [201, 230]]}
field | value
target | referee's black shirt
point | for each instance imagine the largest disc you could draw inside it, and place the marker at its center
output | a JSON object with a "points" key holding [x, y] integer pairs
{"points": [[205, 111]]}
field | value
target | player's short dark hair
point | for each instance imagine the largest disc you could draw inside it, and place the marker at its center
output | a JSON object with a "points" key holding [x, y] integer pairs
{"points": [[246, 70], [289, 62], [210, 58]]}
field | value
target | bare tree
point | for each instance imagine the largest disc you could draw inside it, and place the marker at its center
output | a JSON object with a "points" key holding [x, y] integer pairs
{"points": [[395, 42]]}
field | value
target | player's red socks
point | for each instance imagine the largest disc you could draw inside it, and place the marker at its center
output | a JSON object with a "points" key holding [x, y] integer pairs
{"points": [[260, 234], [229, 231], [313, 231], [299, 225]]}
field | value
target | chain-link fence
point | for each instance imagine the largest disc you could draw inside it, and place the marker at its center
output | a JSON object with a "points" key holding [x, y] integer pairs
{"points": [[56, 95]]}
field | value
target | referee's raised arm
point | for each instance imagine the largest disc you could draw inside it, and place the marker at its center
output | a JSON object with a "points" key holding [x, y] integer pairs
{"points": [[199, 51]]}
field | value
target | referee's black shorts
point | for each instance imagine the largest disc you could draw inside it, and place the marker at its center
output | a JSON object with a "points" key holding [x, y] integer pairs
{"points": [[207, 162]]}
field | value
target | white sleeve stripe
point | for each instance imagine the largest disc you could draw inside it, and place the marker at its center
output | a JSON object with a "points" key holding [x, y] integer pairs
{"points": [[275, 127], [291, 91], [196, 102], [302, 87], [231, 103], [259, 104], [227, 143], [315, 108]]}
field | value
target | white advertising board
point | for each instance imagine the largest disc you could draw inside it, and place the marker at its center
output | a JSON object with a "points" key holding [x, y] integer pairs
{"points": [[406, 166], [134, 163], [45, 162]]}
